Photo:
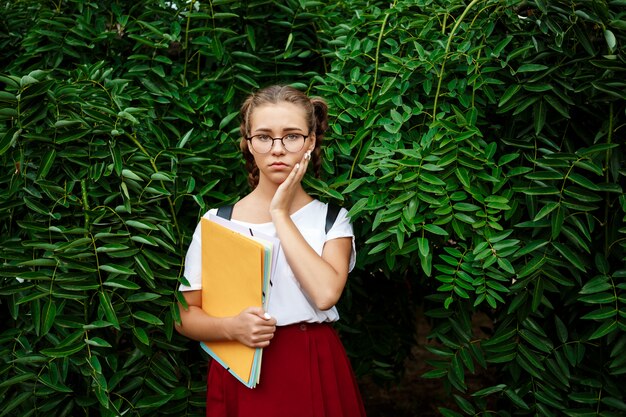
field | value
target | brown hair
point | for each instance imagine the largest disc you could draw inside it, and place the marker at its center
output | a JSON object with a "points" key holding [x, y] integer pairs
{"points": [[316, 111]]}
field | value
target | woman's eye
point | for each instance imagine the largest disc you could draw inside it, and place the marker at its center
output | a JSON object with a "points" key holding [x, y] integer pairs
{"points": [[264, 138], [292, 136]]}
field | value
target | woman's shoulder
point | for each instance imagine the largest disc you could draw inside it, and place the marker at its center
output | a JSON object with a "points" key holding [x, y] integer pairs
{"points": [[324, 207], [211, 211]]}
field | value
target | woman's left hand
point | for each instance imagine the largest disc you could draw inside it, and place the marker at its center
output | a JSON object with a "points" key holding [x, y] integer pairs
{"points": [[281, 202]]}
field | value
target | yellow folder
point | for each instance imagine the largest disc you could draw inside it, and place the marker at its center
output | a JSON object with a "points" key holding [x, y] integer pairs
{"points": [[232, 280]]}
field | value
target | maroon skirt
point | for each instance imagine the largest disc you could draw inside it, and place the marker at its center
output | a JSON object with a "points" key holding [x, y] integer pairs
{"points": [[305, 372]]}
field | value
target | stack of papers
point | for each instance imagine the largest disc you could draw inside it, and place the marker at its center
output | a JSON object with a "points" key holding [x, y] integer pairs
{"points": [[237, 267]]}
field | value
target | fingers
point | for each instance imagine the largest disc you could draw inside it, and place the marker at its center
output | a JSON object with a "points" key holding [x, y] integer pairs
{"points": [[296, 174], [258, 327], [257, 311], [262, 335], [304, 163], [298, 171]]}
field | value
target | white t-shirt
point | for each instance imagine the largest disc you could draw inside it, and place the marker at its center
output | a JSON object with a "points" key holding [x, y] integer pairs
{"points": [[287, 303]]}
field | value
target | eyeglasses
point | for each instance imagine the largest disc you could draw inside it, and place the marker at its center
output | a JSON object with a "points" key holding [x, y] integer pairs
{"points": [[292, 142]]}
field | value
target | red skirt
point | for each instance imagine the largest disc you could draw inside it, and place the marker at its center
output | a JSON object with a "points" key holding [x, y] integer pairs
{"points": [[305, 372]]}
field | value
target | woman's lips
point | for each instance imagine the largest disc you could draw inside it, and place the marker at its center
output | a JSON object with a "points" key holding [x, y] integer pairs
{"points": [[278, 165]]}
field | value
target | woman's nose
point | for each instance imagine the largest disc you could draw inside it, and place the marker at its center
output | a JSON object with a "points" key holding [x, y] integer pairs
{"points": [[277, 147]]}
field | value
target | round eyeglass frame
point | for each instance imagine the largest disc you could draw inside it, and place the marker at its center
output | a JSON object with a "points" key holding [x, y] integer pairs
{"points": [[282, 142]]}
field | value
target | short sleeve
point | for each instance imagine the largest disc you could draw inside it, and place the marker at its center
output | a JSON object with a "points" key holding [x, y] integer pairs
{"points": [[343, 228], [193, 260]]}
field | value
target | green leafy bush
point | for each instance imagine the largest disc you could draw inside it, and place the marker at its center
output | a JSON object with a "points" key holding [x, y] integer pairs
{"points": [[117, 133], [479, 147]]}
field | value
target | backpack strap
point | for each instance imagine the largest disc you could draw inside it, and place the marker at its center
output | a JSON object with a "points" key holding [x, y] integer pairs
{"points": [[225, 212], [332, 212], [331, 215]]}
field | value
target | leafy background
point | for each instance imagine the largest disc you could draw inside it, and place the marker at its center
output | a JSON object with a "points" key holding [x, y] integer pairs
{"points": [[478, 145]]}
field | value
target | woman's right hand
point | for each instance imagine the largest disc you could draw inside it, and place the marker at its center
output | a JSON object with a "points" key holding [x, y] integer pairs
{"points": [[252, 327]]}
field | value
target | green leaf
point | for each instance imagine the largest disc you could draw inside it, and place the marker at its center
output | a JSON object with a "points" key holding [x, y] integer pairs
{"points": [[531, 266], [422, 245], [46, 164], [614, 403], [109, 312], [598, 298], [446, 412], [9, 138], [537, 294], [121, 283], [144, 240], [127, 173], [98, 342], [506, 265], [583, 181], [64, 351], [584, 397], [601, 313], [141, 335], [516, 399], [545, 210], [465, 207], [532, 246], [464, 405], [17, 379], [489, 390], [510, 92], [434, 229], [431, 179], [111, 247], [598, 148], [547, 190], [463, 176], [545, 396], [539, 116], [557, 105], [547, 175], [597, 284], [537, 341], [531, 68], [610, 39], [147, 317], [154, 401], [561, 329], [14, 403], [117, 269], [531, 366], [569, 255], [606, 328], [162, 176], [49, 314], [426, 262]]}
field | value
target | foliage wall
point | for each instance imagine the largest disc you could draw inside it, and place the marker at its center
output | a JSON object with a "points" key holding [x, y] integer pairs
{"points": [[479, 147], [484, 149]]}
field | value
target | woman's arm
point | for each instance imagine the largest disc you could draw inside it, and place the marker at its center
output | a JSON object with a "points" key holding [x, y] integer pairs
{"points": [[250, 327], [324, 277]]}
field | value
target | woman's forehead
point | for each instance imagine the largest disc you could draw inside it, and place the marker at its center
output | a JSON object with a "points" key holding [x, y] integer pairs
{"points": [[282, 115]]}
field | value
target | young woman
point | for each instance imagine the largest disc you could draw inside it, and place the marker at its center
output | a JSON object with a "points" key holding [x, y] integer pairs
{"points": [[305, 370]]}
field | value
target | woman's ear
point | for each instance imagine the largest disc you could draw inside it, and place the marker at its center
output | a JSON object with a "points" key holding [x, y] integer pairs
{"points": [[312, 144]]}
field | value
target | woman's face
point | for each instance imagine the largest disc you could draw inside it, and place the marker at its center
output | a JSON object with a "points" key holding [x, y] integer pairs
{"points": [[276, 121]]}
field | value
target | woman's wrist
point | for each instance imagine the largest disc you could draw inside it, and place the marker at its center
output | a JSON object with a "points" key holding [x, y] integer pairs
{"points": [[279, 214], [227, 327]]}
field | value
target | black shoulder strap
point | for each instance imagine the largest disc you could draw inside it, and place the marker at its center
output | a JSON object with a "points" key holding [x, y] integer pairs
{"points": [[225, 212], [331, 215]]}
